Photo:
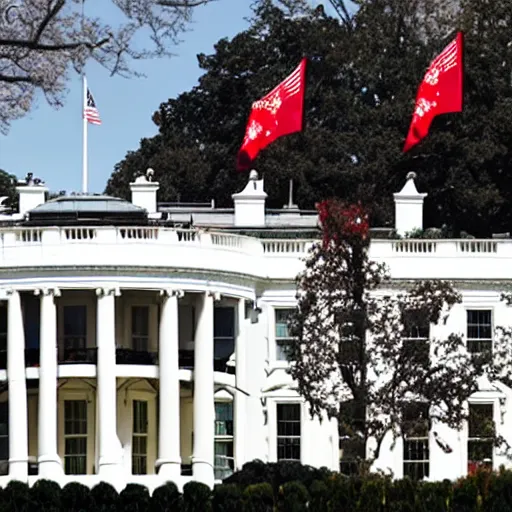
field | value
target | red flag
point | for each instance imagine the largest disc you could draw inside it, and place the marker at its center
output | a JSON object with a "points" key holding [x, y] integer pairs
{"points": [[439, 93], [276, 114]]}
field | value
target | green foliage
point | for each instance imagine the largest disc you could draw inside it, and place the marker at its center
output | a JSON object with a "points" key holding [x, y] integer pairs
{"points": [[16, 496], [293, 497], [166, 497], [8, 188], [363, 76], [197, 497], [319, 496], [134, 498], [47, 495], [227, 498], [105, 497], [76, 497], [259, 498], [433, 496]]}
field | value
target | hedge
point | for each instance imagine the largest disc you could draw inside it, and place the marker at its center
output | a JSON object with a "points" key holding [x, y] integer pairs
{"points": [[280, 487]]}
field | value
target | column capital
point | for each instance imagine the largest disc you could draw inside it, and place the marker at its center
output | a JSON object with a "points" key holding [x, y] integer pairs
{"points": [[171, 292], [108, 290], [213, 293], [47, 292]]}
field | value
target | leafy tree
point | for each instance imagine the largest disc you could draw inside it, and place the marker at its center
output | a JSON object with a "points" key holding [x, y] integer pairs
{"points": [[8, 189], [363, 73], [362, 352], [40, 40]]}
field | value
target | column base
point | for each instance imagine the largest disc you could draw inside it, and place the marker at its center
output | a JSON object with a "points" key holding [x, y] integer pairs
{"points": [[202, 471], [50, 466], [169, 469], [18, 469]]}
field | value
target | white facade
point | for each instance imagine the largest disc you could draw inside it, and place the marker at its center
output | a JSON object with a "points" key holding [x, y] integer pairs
{"points": [[149, 353]]}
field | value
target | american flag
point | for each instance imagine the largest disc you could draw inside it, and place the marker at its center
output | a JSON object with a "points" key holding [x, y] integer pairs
{"points": [[90, 111]]}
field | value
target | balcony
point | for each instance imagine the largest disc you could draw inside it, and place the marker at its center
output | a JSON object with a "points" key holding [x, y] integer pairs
{"points": [[31, 357], [186, 361], [137, 357], [79, 356]]}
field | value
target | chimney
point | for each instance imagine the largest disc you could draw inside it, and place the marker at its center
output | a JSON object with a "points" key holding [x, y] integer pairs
{"points": [[32, 192], [408, 207], [250, 203], [144, 192]]}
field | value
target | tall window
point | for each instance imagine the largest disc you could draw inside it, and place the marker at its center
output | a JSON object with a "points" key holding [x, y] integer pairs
{"points": [[140, 438], [480, 436], [288, 432], [75, 327], [416, 454], [479, 330], [282, 334], [4, 431], [3, 328], [224, 460], [75, 437], [224, 332], [416, 334], [140, 328]]}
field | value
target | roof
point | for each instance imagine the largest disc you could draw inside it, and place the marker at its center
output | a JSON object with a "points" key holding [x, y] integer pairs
{"points": [[65, 204], [87, 208]]}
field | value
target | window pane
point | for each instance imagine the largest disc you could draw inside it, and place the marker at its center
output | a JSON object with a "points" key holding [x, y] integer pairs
{"points": [[288, 448], [282, 316], [140, 321], [479, 324], [223, 348], [283, 350], [416, 325], [75, 417], [224, 322], [75, 321], [480, 422], [223, 418], [224, 461], [140, 417]]}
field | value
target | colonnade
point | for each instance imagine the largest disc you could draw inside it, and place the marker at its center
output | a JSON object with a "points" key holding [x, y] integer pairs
{"points": [[109, 450]]}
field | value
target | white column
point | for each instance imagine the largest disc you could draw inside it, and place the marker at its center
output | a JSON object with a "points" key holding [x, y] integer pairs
{"points": [[110, 450], [240, 397], [169, 457], [18, 421], [48, 459], [204, 408]]}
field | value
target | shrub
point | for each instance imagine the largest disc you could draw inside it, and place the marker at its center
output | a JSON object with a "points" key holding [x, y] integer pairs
{"points": [[433, 496], [166, 498], [17, 497], [401, 496], [76, 497], [134, 498], [293, 497], [105, 498], [344, 493], [318, 496], [465, 495], [372, 497], [259, 498], [227, 498], [46, 494], [197, 497], [498, 497]]}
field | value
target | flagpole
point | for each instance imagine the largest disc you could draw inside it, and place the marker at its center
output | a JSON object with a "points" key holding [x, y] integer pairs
{"points": [[84, 119], [84, 147]]}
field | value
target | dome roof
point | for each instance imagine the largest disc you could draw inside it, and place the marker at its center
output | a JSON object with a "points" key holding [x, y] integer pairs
{"points": [[95, 208]]}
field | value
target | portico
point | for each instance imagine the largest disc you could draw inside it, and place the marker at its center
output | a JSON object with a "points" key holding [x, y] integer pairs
{"points": [[102, 409]]}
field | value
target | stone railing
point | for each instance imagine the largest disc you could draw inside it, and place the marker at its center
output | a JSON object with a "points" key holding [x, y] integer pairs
{"points": [[151, 246]]}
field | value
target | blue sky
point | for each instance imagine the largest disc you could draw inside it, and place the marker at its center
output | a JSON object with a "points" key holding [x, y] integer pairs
{"points": [[48, 142]]}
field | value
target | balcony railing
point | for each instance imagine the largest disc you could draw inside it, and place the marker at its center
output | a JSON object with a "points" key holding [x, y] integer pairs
{"points": [[129, 356], [79, 356], [31, 357], [186, 361]]}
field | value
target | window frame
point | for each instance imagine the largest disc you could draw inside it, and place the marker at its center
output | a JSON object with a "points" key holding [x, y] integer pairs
{"points": [[472, 464], [470, 341], [217, 339], [78, 342], [83, 457], [139, 460], [281, 341], [411, 462], [224, 439], [140, 342], [288, 403]]}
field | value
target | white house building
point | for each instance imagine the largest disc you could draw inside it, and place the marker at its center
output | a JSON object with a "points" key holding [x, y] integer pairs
{"points": [[144, 343]]}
